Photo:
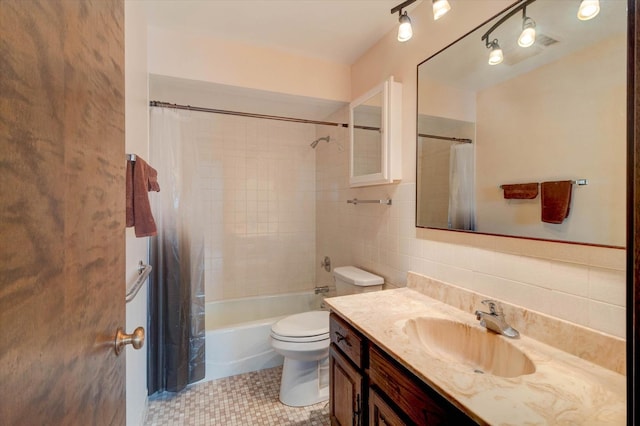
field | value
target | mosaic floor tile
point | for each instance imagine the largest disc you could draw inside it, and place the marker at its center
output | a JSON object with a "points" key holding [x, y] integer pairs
{"points": [[244, 400]]}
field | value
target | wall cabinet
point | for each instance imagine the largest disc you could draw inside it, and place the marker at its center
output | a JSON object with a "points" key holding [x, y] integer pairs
{"points": [[368, 387], [376, 135]]}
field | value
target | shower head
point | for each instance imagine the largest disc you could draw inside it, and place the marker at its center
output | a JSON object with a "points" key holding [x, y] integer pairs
{"points": [[315, 143]]}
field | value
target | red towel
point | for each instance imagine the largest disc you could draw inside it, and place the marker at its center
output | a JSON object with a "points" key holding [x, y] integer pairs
{"points": [[521, 191], [556, 199], [141, 178], [129, 192]]}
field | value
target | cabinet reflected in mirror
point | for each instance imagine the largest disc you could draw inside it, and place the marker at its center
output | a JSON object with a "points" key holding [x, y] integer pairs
{"points": [[374, 122], [553, 111]]}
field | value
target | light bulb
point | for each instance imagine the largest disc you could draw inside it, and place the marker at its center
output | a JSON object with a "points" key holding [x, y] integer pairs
{"points": [[528, 34], [440, 8], [405, 32], [495, 54], [588, 9]]}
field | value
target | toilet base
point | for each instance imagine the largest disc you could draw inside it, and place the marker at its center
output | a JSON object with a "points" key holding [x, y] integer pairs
{"points": [[304, 382]]}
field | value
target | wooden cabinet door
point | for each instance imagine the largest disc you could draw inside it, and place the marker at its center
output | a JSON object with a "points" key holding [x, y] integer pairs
{"points": [[62, 290], [380, 413], [346, 391]]}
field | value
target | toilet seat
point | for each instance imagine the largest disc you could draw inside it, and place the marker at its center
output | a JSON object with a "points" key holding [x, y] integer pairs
{"points": [[306, 339], [305, 327]]}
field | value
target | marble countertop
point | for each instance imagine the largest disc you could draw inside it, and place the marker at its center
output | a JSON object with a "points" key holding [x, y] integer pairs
{"points": [[564, 389]]}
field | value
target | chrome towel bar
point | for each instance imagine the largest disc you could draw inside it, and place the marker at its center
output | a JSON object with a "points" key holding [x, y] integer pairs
{"points": [[143, 273], [356, 201], [579, 182]]}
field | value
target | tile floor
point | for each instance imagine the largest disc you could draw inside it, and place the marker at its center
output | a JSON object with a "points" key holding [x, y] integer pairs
{"points": [[249, 399]]}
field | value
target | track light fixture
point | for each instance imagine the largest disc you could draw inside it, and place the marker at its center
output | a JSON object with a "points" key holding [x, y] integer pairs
{"points": [[495, 52], [405, 32], [528, 34], [588, 9], [527, 37], [440, 8]]}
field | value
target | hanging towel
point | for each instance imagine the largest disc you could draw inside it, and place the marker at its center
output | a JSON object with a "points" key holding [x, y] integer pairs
{"points": [[556, 199], [141, 178], [129, 193], [520, 191]]}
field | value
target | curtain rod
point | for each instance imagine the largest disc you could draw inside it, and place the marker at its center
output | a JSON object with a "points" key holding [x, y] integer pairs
{"points": [[244, 114], [444, 138]]}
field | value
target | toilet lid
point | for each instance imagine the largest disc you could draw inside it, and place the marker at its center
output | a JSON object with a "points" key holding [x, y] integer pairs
{"points": [[305, 324]]}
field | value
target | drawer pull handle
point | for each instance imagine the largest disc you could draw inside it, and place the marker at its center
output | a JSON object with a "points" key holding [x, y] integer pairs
{"points": [[340, 338]]}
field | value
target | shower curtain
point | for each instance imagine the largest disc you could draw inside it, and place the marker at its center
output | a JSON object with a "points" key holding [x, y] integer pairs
{"points": [[461, 187], [176, 329]]}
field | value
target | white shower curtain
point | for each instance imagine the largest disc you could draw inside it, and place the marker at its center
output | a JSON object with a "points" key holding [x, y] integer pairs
{"points": [[176, 294], [462, 187]]}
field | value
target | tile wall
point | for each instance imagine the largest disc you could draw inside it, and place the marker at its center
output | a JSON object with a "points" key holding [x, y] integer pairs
{"points": [[259, 191], [580, 284]]}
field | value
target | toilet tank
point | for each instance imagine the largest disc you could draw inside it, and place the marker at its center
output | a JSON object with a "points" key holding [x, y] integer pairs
{"points": [[351, 280]]}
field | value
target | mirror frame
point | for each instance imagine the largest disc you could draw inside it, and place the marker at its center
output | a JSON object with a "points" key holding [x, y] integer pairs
{"points": [[630, 95], [633, 209]]}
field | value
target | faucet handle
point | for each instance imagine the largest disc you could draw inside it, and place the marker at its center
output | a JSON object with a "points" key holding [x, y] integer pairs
{"points": [[494, 307]]}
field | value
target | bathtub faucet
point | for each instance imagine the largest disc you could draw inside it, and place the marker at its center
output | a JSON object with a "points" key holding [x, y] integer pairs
{"points": [[323, 289]]}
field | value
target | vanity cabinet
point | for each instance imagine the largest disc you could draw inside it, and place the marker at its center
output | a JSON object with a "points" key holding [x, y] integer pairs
{"points": [[370, 387]]}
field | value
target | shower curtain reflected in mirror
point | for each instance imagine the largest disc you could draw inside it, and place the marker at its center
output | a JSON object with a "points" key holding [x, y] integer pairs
{"points": [[461, 187], [176, 329]]}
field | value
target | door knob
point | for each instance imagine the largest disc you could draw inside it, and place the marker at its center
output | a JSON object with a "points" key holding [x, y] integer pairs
{"points": [[136, 339]]}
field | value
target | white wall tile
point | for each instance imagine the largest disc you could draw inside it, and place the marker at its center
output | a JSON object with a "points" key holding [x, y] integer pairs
{"points": [[607, 285]]}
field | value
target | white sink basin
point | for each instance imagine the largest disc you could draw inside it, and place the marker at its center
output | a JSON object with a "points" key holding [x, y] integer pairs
{"points": [[482, 350]]}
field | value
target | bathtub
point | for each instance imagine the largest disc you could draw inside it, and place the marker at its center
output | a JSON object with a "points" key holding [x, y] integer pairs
{"points": [[237, 331]]}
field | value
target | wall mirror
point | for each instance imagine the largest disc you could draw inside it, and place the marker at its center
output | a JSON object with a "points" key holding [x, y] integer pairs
{"points": [[374, 121], [552, 111]]}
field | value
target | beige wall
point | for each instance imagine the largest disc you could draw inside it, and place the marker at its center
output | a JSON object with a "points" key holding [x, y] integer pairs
{"points": [[197, 57], [590, 144], [582, 284]]}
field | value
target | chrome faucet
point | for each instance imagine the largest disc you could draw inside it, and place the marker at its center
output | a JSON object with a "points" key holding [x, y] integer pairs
{"points": [[494, 320], [321, 290]]}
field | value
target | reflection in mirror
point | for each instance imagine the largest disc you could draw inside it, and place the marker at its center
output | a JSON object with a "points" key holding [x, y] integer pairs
{"points": [[367, 142], [447, 196], [553, 111]]}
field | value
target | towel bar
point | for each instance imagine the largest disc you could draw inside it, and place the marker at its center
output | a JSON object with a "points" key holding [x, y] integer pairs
{"points": [[356, 201], [579, 182], [143, 273]]}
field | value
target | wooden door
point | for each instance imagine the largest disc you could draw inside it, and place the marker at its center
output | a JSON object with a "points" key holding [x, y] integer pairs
{"points": [[61, 212], [346, 404]]}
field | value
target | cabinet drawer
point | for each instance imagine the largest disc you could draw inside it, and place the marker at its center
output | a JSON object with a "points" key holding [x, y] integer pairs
{"points": [[420, 403], [347, 339]]}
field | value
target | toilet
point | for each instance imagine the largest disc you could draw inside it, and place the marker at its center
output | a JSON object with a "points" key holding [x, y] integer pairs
{"points": [[303, 340]]}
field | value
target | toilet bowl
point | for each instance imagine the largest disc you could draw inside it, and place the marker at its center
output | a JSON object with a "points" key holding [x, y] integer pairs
{"points": [[303, 341]]}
